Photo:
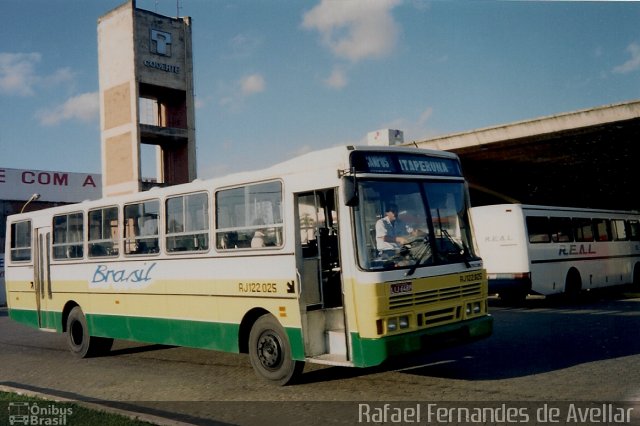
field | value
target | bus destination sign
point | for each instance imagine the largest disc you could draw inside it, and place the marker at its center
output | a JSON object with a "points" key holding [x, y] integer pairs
{"points": [[404, 164]]}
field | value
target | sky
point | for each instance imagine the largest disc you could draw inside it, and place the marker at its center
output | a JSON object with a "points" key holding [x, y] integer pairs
{"points": [[279, 78]]}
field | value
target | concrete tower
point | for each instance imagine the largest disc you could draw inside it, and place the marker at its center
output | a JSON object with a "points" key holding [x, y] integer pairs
{"points": [[146, 97]]}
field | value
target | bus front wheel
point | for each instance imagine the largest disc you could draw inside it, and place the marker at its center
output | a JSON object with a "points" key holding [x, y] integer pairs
{"points": [[81, 344], [270, 352]]}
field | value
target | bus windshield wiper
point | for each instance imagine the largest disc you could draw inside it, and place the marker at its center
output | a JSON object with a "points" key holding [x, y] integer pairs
{"points": [[423, 253], [462, 250]]}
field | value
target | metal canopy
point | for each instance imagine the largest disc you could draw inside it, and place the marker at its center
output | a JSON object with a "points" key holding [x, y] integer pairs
{"points": [[580, 159]]}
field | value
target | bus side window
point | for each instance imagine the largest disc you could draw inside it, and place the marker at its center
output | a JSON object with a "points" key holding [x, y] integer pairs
{"points": [[633, 230], [538, 229], [582, 229], [603, 229], [68, 236], [141, 227], [21, 241], [103, 232], [249, 217], [561, 231], [619, 229], [187, 223]]}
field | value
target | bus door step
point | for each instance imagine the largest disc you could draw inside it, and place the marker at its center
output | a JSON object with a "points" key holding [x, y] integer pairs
{"points": [[332, 359], [336, 342]]}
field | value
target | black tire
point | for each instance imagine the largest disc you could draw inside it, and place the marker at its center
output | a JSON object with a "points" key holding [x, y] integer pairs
{"points": [[81, 344], [270, 352]]}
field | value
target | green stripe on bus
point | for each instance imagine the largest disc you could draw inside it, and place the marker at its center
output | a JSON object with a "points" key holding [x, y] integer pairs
{"points": [[370, 352], [49, 319], [24, 316], [197, 334]]}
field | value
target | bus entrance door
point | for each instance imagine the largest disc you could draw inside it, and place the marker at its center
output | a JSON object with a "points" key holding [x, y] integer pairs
{"points": [[320, 274], [41, 277]]}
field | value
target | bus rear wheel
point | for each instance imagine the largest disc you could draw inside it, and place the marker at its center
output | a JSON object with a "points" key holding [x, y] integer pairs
{"points": [[270, 352], [81, 344]]}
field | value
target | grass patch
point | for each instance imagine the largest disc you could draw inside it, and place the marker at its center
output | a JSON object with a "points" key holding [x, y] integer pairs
{"points": [[14, 408]]}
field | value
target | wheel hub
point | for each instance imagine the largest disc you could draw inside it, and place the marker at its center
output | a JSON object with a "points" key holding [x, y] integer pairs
{"points": [[269, 351]]}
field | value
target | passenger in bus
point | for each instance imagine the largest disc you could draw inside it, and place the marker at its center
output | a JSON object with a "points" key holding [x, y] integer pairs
{"points": [[149, 225], [391, 233], [148, 228], [259, 235]]}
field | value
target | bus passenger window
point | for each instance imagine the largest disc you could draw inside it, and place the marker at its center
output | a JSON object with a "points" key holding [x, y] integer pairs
{"points": [[582, 229], [103, 232], [21, 241], [141, 227], [633, 230], [249, 217], [619, 229], [68, 236], [561, 231], [603, 229], [538, 229], [187, 223]]}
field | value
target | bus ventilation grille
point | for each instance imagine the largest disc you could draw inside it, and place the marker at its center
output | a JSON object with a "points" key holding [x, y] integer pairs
{"points": [[427, 297]]}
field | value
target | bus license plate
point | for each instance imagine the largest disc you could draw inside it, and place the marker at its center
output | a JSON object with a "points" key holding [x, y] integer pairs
{"points": [[398, 288]]}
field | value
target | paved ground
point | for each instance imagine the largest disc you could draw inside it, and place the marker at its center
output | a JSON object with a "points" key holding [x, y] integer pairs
{"points": [[541, 353]]}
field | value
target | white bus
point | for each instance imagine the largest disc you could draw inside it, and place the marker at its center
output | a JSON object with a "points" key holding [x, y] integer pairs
{"points": [[281, 264], [548, 250]]}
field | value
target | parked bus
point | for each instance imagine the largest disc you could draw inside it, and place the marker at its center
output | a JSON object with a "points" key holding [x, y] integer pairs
{"points": [[549, 250], [281, 264]]}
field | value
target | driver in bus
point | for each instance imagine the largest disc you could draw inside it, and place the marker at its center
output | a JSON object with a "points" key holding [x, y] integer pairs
{"points": [[391, 233]]}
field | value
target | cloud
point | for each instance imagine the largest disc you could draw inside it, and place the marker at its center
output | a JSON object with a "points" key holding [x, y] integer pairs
{"points": [[244, 45], [337, 79], [84, 107], [17, 73], [425, 116], [355, 29], [633, 63], [252, 84], [235, 94]]}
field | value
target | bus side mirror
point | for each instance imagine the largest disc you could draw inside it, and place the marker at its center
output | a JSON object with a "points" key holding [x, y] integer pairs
{"points": [[350, 190]]}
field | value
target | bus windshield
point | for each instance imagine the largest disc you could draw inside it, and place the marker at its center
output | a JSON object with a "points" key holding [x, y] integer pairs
{"points": [[407, 224]]}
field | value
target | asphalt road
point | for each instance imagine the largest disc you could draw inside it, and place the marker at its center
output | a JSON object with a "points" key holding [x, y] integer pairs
{"points": [[543, 355]]}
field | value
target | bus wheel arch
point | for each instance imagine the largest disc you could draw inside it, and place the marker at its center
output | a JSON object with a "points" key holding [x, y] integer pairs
{"points": [[245, 328], [573, 284], [636, 277], [65, 313], [270, 352]]}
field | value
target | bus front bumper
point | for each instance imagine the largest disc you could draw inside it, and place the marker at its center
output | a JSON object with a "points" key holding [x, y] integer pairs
{"points": [[370, 352]]}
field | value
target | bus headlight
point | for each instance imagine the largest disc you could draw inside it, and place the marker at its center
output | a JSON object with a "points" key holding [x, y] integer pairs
{"points": [[473, 308], [403, 321], [392, 324]]}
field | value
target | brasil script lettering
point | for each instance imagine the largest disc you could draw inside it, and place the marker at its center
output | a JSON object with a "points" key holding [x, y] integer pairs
{"points": [[106, 275]]}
